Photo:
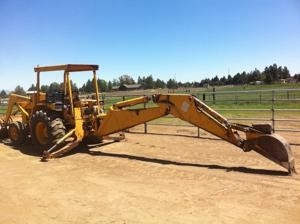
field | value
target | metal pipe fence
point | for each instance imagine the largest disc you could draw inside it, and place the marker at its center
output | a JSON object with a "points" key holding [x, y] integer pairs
{"points": [[279, 107]]}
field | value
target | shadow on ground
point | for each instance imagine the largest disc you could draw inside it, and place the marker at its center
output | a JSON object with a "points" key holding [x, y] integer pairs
{"points": [[28, 149], [91, 151]]}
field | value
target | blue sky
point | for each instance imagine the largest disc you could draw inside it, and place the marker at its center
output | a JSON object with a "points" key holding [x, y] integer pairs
{"points": [[184, 39]]}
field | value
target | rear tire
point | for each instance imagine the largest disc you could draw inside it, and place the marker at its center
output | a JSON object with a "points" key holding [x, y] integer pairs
{"points": [[17, 133], [44, 131]]}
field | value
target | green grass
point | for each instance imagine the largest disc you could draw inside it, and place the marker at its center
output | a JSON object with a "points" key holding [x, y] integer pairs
{"points": [[235, 97], [2, 110], [251, 87]]}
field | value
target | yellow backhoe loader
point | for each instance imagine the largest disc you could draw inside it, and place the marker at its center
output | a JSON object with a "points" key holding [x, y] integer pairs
{"points": [[58, 121]]}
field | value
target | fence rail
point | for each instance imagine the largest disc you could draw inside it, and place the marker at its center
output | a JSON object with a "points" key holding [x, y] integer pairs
{"points": [[278, 106]]}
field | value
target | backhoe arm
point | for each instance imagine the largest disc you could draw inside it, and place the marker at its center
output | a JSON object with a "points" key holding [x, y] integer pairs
{"points": [[119, 117], [192, 110], [257, 137]]}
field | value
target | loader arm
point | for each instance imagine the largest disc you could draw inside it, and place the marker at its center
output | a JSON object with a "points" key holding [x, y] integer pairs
{"points": [[192, 110], [16, 103], [21, 102]]}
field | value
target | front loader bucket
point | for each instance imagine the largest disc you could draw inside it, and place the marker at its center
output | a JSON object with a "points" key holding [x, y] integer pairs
{"points": [[275, 148]]}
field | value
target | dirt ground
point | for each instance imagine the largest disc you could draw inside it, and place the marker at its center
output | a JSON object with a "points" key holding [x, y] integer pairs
{"points": [[148, 179]]}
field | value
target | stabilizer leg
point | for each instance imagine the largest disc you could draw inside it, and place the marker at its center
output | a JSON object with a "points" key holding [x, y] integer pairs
{"points": [[50, 153]]}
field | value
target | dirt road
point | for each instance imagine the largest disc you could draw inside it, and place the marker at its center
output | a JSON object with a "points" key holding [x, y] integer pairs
{"points": [[148, 179]]}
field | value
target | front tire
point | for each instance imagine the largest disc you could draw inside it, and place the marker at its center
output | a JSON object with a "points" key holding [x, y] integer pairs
{"points": [[17, 133], [44, 131], [3, 129]]}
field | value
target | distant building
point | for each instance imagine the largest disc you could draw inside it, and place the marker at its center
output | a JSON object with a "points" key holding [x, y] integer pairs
{"points": [[30, 92], [206, 85], [115, 88], [291, 80], [3, 101], [282, 81], [126, 87]]}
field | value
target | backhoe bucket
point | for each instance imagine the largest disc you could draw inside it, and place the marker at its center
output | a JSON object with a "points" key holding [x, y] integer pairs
{"points": [[275, 148]]}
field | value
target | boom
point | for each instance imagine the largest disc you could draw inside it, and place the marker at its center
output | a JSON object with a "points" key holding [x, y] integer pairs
{"points": [[192, 110]]}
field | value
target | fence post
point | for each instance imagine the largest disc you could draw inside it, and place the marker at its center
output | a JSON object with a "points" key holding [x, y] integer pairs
{"points": [[145, 124], [273, 111], [259, 97], [214, 95], [198, 134]]}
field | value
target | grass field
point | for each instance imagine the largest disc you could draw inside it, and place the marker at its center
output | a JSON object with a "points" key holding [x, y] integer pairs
{"points": [[233, 102], [229, 97], [2, 109]]}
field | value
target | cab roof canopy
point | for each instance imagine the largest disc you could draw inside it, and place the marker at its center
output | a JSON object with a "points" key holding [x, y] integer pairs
{"points": [[67, 68]]}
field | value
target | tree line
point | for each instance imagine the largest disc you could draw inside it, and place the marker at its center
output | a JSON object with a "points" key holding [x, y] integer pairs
{"points": [[271, 74]]}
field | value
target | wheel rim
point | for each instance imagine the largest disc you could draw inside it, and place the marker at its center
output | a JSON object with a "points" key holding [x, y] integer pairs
{"points": [[41, 133], [13, 133]]}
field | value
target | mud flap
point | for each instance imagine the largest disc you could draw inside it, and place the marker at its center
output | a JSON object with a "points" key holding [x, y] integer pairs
{"points": [[275, 148]]}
